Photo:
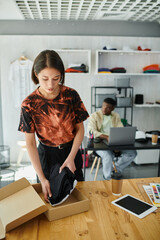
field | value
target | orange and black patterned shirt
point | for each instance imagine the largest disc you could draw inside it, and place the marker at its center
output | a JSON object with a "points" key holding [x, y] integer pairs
{"points": [[53, 120]]}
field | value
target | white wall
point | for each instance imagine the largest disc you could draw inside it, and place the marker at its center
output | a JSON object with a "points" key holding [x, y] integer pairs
{"points": [[12, 47]]}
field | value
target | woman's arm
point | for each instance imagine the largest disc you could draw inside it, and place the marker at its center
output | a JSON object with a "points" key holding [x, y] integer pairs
{"points": [[69, 162], [34, 157], [104, 136]]}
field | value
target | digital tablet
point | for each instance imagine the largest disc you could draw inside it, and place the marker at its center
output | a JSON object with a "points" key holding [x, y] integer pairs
{"points": [[134, 206]]}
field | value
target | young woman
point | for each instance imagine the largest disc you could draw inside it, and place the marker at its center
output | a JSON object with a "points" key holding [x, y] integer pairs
{"points": [[56, 114]]}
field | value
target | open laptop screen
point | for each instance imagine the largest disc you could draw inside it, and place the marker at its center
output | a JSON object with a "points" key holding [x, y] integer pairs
{"points": [[121, 136]]}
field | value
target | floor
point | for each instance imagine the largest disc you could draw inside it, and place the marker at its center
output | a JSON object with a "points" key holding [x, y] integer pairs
{"points": [[26, 170], [133, 171]]}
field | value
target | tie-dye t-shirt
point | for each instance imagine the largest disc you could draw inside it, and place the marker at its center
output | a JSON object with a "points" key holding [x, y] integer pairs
{"points": [[53, 120]]}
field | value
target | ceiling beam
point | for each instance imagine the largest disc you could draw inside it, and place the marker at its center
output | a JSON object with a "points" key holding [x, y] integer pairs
{"points": [[39, 10], [79, 9], [89, 9], [69, 9], [59, 10]]}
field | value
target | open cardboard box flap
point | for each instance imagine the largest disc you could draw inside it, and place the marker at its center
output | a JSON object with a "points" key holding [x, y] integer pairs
{"points": [[19, 202]]}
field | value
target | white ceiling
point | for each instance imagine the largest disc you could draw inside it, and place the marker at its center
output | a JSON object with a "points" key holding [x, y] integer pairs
{"points": [[125, 10]]}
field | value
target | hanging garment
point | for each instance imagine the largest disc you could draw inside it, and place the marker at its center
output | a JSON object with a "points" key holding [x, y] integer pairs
{"points": [[20, 79]]}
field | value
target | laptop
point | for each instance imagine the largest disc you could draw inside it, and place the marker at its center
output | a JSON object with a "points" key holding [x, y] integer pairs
{"points": [[121, 136]]}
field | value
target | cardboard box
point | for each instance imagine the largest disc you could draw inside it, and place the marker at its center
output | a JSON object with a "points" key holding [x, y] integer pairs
{"points": [[76, 203], [19, 202]]}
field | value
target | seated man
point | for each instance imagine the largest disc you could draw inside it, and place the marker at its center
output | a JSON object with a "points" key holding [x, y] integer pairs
{"points": [[99, 123]]}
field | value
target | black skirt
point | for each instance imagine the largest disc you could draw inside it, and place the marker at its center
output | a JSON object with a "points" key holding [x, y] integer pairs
{"points": [[49, 156]]}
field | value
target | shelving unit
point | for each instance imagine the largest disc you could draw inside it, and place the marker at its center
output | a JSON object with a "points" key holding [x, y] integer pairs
{"points": [[75, 56], [146, 105], [126, 91], [132, 61]]}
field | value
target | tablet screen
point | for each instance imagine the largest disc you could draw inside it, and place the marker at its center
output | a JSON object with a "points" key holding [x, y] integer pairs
{"points": [[134, 205]]}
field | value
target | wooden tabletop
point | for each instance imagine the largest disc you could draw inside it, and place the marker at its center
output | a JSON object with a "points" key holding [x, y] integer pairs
{"points": [[103, 221]]}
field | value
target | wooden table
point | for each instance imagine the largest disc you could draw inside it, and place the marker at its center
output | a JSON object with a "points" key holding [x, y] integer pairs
{"points": [[103, 221]]}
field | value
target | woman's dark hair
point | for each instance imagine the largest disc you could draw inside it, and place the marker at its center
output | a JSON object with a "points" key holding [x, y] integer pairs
{"points": [[110, 101], [50, 59]]}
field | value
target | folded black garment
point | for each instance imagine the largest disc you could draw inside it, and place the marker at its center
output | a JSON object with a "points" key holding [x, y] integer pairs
{"points": [[61, 184], [118, 70], [105, 48]]}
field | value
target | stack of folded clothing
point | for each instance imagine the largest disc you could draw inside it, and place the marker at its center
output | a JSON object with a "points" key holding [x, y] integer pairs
{"points": [[139, 48], [157, 101], [118, 70], [77, 68], [104, 70], [154, 68], [109, 48], [113, 70]]}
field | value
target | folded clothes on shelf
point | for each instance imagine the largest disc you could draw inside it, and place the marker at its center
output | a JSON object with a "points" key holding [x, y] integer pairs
{"points": [[139, 48], [157, 101], [113, 70], [80, 68], [104, 70], [109, 48], [153, 68], [118, 70], [151, 71]]}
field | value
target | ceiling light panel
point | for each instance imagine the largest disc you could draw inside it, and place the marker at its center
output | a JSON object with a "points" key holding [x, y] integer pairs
{"points": [[139, 10]]}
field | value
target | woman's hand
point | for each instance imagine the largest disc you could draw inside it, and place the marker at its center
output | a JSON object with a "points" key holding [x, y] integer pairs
{"points": [[68, 163], [34, 156], [46, 189]]}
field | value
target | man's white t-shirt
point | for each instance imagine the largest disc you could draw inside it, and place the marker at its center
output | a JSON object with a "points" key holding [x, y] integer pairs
{"points": [[107, 124]]}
